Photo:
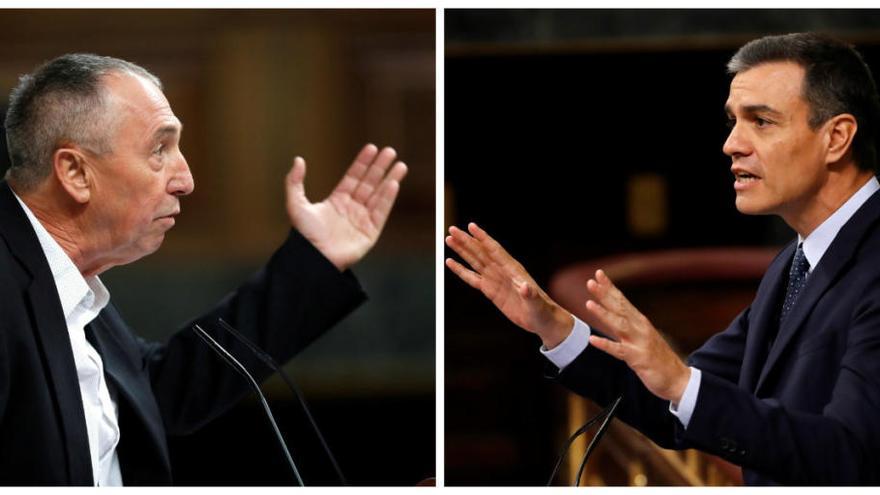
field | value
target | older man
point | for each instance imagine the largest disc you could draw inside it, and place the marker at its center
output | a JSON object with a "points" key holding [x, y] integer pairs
{"points": [[96, 181], [791, 390]]}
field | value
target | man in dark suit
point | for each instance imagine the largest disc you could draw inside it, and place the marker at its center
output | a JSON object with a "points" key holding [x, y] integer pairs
{"points": [[791, 390], [96, 181]]}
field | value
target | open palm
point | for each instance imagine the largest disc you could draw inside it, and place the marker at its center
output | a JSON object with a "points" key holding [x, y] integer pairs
{"points": [[505, 282], [347, 223]]}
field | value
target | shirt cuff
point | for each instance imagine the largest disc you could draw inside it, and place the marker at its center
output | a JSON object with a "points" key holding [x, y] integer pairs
{"points": [[563, 354], [688, 399]]}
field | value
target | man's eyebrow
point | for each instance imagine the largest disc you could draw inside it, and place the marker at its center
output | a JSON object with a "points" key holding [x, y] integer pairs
{"points": [[172, 129], [753, 109]]}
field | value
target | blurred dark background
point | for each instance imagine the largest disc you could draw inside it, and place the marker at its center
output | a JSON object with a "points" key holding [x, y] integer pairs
{"points": [[572, 135], [254, 88]]}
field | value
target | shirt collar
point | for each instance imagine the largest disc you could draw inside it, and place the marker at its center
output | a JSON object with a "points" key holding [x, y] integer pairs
{"points": [[817, 242], [73, 289]]}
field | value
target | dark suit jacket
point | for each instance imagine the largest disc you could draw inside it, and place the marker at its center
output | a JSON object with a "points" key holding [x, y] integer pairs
{"points": [[162, 389], [807, 411]]}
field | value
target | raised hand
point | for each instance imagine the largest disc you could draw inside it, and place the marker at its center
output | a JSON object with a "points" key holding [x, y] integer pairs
{"points": [[506, 283], [635, 340], [347, 223]]}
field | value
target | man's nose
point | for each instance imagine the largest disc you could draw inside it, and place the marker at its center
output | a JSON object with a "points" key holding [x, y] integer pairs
{"points": [[737, 144], [182, 182]]}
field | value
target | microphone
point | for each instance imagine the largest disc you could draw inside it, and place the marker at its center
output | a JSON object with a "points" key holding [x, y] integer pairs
{"points": [[273, 365], [237, 366], [607, 414]]}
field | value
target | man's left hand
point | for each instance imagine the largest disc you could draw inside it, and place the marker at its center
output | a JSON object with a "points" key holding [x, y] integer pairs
{"points": [[635, 340], [347, 223]]}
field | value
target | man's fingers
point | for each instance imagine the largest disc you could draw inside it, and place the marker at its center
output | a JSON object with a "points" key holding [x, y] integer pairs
{"points": [[481, 234], [471, 278], [397, 173], [380, 203], [357, 169], [619, 299], [610, 296], [601, 297], [609, 323], [495, 250], [295, 179], [462, 250], [374, 174], [615, 349], [473, 247], [297, 173]]}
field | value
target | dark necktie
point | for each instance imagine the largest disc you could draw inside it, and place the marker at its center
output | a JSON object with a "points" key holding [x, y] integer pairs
{"points": [[797, 279]]}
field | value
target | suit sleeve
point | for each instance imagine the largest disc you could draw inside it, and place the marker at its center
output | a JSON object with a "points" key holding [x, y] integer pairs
{"points": [[285, 306], [601, 377], [838, 446], [722, 355]]}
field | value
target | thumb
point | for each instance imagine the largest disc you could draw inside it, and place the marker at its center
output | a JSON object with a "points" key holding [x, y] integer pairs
{"points": [[295, 180]]}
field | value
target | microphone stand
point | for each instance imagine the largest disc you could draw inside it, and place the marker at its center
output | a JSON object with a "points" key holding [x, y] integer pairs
{"points": [[273, 365], [237, 366], [607, 414], [599, 433]]}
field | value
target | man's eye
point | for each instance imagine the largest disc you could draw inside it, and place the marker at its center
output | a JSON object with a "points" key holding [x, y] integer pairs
{"points": [[730, 123], [760, 122], [159, 149]]}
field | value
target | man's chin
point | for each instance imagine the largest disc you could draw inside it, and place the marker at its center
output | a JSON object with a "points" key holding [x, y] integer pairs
{"points": [[748, 206], [149, 247]]}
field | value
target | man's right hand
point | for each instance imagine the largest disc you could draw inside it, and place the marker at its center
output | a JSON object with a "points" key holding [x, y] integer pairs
{"points": [[506, 283]]}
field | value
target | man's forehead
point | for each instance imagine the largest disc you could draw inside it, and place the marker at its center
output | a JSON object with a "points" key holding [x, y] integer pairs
{"points": [[774, 84], [133, 90], [139, 97]]}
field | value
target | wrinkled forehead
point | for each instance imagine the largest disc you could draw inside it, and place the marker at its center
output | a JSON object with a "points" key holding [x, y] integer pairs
{"points": [[138, 104]]}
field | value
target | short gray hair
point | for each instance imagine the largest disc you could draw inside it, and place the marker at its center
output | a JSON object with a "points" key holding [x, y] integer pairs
{"points": [[62, 102]]}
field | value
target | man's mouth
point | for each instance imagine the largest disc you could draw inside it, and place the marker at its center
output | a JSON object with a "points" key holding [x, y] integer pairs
{"points": [[170, 215], [170, 219], [745, 177]]}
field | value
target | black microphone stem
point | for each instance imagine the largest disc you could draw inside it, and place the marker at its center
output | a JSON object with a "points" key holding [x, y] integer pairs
{"points": [[237, 366], [580, 431], [273, 365], [595, 440]]}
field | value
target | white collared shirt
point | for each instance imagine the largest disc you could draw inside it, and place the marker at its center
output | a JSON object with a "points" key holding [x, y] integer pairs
{"points": [[814, 246], [817, 242], [81, 301]]}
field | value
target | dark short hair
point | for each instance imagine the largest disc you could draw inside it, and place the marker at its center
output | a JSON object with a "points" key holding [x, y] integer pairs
{"points": [[836, 80], [61, 102]]}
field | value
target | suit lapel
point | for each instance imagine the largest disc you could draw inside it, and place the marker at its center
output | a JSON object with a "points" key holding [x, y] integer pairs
{"points": [[833, 263], [51, 334], [763, 318], [51, 331]]}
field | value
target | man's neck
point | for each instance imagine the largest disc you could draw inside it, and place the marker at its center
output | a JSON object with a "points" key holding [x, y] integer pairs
{"points": [[60, 226], [826, 201]]}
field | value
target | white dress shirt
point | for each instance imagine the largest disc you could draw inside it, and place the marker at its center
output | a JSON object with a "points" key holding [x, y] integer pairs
{"points": [[814, 247], [81, 301]]}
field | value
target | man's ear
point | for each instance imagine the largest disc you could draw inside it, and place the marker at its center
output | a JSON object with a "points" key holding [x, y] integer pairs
{"points": [[841, 131], [73, 173]]}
